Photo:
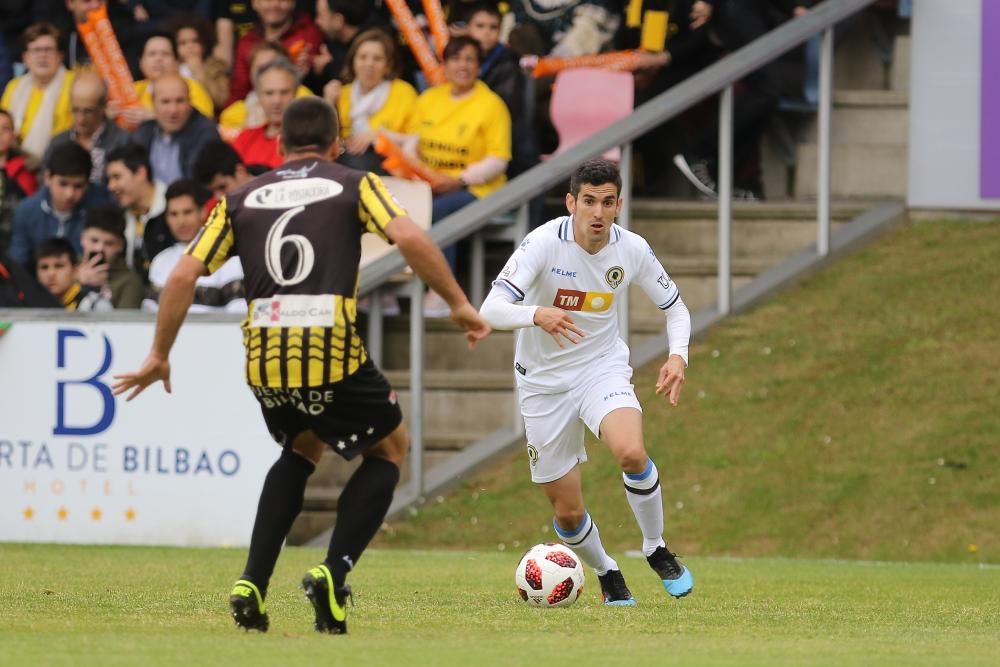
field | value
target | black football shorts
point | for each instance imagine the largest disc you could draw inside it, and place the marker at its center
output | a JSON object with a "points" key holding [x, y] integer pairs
{"points": [[350, 416]]}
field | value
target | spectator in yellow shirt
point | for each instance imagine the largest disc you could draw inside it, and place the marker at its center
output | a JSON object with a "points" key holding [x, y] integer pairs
{"points": [[373, 99], [39, 100], [461, 129]]}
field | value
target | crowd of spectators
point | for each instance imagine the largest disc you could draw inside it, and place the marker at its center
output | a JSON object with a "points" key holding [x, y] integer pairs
{"points": [[98, 198]]}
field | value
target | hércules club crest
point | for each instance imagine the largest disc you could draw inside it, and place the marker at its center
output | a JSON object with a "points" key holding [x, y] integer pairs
{"points": [[614, 276]]}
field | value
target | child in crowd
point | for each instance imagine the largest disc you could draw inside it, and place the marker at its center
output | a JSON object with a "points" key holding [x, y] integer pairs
{"points": [[103, 267], [55, 266]]}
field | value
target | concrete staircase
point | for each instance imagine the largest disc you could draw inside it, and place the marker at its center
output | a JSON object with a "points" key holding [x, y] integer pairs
{"points": [[869, 122], [469, 395]]}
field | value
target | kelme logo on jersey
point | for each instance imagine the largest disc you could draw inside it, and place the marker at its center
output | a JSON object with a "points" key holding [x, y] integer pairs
{"points": [[588, 302], [614, 276]]}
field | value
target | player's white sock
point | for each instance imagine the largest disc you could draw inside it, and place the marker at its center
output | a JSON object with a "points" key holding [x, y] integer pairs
{"points": [[585, 540], [643, 493]]}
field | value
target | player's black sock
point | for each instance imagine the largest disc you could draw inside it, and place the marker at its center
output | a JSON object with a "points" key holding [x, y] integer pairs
{"points": [[360, 511], [280, 502]]}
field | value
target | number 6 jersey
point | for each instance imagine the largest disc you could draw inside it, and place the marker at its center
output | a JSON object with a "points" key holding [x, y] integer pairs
{"points": [[297, 231]]}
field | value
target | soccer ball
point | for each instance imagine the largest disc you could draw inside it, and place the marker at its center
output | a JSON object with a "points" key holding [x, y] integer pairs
{"points": [[549, 575]]}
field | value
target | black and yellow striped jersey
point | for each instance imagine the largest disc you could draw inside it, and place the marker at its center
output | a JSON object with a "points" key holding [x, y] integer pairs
{"points": [[297, 231]]}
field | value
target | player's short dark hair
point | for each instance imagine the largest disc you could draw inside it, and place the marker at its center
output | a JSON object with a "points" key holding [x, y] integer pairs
{"points": [[107, 217], [132, 156], [595, 172], [69, 159], [354, 11], [215, 157], [456, 44], [309, 123], [186, 188], [56, 247]]}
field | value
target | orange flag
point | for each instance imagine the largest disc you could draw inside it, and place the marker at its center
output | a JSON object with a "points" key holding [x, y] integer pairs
{"points": [[615, 60], [418, 43], [438, 26], [102, 45], [399, 164]]}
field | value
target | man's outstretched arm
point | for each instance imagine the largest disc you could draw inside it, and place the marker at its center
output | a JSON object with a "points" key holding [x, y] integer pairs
{"points": [[174, 303]]}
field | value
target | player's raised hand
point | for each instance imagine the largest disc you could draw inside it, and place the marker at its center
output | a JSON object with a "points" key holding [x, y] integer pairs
{"points": [[671, 379], [558, 324], [475, 326], [152, 370]]}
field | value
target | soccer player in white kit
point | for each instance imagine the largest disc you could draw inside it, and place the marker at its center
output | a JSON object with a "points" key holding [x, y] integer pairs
{"points": [[561, 289]]}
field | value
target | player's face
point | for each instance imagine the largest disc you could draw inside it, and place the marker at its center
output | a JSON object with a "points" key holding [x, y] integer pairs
{"points": [[183, 218], [593, 211], [56, 273]]}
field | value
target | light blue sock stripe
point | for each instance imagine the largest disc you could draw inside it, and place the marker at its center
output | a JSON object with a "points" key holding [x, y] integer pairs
{"points": [[638, 477], [571, 534]]}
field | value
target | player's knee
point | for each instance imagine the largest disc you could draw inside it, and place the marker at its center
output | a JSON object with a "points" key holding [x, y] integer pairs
{"points": [[394, 447], [569, 517], [309, 447], [632, 459]]}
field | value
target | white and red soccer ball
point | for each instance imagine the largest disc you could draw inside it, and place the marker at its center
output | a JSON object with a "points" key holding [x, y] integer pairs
{"points": [[549, 575]]}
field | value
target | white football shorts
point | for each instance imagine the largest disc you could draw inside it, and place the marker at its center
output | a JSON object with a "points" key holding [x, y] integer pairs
{"points": [[554, 423]]}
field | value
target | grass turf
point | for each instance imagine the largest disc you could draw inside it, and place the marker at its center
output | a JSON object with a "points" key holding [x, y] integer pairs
{"points": [[68, 605]]}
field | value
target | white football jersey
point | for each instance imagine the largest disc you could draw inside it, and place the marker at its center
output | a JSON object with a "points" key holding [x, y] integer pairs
{"points": [[551, 269]]}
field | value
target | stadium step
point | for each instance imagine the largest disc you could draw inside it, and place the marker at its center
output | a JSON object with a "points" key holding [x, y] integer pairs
{"points": [[869, 134]]}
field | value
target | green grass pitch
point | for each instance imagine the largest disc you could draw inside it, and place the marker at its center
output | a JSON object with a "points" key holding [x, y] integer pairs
{"points": [[107, 606]]}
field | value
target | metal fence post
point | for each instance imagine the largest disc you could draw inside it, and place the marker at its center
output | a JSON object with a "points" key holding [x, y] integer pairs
{"points": [[417, 386], [725, 193], [823, 168]]}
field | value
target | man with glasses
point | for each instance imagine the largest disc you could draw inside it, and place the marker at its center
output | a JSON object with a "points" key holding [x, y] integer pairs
{"points": [[39, 100], [88, 100]]}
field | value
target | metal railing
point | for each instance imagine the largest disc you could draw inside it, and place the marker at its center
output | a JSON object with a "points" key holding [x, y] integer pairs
{"points": [[471, 220]]}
